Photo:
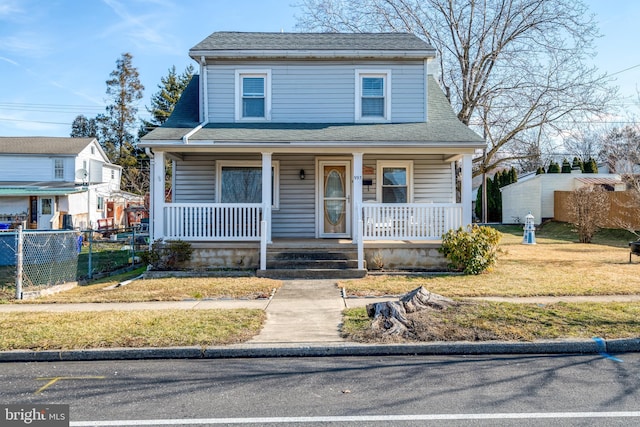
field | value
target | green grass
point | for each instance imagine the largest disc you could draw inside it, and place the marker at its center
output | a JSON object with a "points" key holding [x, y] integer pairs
{"points": [[562, 231]]}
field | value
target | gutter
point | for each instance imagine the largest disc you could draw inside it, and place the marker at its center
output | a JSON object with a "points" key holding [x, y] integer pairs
{"points": [[205, 101]]}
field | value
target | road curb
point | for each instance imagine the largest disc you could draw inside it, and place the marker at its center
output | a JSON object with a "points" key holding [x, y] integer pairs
{"points": [[329, 349]]}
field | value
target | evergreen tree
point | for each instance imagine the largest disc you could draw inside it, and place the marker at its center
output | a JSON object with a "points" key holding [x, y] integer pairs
{"points": [[553, 167], [114, 127], [164, 101], [577, 164], [591, 166], [540, 170], [566, 166], [83, 127], [124, 90], [513, 175]]}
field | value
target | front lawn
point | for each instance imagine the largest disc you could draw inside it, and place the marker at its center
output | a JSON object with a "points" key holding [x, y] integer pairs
{"points": [[552, 267]]}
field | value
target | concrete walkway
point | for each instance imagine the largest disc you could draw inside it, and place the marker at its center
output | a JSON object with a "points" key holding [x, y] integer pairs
{"points": [[303, 311]]}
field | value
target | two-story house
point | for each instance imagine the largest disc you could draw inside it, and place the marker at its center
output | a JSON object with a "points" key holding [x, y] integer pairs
{"points": [[328, 144], [45, 181]]}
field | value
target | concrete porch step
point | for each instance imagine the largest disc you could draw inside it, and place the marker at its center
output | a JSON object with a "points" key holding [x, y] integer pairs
{"points": [[312, 273], [277, 255], [312, 264]]}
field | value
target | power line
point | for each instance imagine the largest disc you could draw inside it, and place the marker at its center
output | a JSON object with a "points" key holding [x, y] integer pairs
{"points": [[33, 121]]}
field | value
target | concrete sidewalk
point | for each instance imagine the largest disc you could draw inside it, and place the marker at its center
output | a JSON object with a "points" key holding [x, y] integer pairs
{"points": [[303, 319]]}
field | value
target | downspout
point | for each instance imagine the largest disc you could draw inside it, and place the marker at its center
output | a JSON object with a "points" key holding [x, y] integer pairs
{"points": [[149, 153], [205, 101]]}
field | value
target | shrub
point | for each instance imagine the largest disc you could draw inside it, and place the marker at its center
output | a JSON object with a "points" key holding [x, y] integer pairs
{"points": [[588, 211], [167, 255], [471, 250]]}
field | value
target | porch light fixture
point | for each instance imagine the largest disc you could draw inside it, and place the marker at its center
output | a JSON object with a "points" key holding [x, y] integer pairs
{"points": [[301, 173]]}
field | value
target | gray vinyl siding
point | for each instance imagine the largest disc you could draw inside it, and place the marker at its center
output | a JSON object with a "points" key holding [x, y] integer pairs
{"points": [[195, 179], [432, 178], [195, 182], [318, 92], [221, 95], [296, 216]]}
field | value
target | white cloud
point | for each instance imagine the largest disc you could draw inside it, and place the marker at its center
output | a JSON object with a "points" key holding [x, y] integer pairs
{"points": [[9, 8], [10, 61], [25, 44], [145, 30]]}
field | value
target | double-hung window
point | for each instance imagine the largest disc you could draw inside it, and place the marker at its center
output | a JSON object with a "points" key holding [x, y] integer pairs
{"points": [[395, 181], [58, 169], [241, 182], [253, 95], [373, 95]]}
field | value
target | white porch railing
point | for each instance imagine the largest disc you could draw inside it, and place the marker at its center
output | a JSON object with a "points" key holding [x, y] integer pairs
{"points": [[212, 221], [410, 221]]}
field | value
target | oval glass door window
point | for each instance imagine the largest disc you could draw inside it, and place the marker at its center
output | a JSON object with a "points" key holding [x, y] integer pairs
{"points": [[334, 193]]}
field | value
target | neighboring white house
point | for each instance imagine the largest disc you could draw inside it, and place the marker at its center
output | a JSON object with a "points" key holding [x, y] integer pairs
{"points": [[536, 195], [342, 139], [52, 183]]}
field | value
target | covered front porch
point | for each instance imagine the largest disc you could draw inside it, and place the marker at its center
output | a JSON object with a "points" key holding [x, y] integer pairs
{"points": [[340, 200]]}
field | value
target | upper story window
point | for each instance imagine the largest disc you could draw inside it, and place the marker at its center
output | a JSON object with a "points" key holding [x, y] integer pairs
{"points": [[373, 95], [58, 168], [253, 95]]}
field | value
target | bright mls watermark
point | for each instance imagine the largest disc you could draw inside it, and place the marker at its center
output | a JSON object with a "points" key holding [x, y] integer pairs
{"points": [[34, 415]]}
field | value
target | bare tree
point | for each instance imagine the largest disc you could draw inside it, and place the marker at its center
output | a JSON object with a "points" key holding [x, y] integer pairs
{"points": [[584, 143], [507, 66], [588, 210], [621, 152]]}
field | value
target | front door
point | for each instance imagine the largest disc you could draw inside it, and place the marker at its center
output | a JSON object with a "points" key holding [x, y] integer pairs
{"points": [[335, 198], [45, 213]]}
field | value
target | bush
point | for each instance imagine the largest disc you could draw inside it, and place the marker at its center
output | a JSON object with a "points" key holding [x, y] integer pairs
{"points": [[588, 211], [471, 251], [167, 255]]}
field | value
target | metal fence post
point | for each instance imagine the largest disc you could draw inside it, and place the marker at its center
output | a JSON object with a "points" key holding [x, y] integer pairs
{"points": [[19, 257], [133, 246], [90, 267]]}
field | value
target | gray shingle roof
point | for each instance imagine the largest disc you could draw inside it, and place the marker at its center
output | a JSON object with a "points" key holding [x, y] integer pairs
{"points": [[42, 145], [442, 127], [237, 41]]}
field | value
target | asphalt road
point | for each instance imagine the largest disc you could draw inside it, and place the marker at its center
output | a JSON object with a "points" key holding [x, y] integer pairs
{"points": [[347, 391]]}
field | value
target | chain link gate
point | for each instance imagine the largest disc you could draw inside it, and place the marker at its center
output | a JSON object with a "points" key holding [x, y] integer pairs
{"points": [[45, 259]]}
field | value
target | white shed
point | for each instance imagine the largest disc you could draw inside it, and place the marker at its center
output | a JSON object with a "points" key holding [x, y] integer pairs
{"points": [[536, 194]]}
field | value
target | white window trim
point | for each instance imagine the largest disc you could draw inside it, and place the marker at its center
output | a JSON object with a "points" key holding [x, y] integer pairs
{"points": [[381, 164], [386, 75], [275, 165], [61, 169], [267, 94]]}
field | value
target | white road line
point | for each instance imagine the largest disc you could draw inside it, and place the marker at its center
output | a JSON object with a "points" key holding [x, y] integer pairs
{"points": [[362, 418]]}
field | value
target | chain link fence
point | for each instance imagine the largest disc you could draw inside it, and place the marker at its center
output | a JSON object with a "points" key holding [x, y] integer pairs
{"points": [[7, 264], [45, 259], [32, 260], [109, 251]]}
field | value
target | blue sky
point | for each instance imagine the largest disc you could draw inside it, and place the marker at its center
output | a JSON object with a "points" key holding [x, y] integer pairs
{"points": [[55, 55]]}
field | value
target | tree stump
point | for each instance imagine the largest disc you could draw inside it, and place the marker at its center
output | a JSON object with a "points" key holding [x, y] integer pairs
{"points": [[390, 317]]}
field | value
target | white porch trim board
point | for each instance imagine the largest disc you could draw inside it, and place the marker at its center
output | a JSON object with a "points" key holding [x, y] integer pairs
{"points": [[157, 196], [266, 192], [465, 189]]}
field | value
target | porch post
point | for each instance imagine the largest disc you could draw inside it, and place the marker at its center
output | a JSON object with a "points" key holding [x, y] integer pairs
{"points": [[157, 195], [266, 192], [357, 192], [465, 189], [356, 217]]}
